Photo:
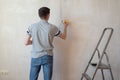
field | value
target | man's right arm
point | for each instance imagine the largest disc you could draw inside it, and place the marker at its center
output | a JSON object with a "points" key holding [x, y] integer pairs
{"points": [[64, 34]]}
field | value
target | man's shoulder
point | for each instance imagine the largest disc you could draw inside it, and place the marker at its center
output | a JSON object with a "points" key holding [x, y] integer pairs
{"points": [[52, 25], [34, 24]]}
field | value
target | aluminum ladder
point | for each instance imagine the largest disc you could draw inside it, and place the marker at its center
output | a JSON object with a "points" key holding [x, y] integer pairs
{"points": [[99, 64]]}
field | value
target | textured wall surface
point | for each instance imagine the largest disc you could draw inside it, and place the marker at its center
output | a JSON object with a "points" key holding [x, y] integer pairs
{"points": [[88, 19]]}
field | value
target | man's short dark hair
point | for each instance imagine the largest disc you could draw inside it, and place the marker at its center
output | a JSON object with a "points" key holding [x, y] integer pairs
{"points": [[43, 12]]}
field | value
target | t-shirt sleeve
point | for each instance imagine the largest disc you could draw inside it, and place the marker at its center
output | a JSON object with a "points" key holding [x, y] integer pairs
{"points": [[57, 32], [29, 31]]}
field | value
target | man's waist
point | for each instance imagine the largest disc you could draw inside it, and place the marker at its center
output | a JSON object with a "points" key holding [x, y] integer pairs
{"points": [[41, 51]]}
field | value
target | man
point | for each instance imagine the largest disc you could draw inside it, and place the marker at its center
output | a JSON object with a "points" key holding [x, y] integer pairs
{"points": [[40, 36]]}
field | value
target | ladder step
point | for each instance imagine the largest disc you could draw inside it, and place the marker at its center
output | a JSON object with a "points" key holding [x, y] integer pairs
{"points": [[103, 66], [94, 64], [86, 76]]}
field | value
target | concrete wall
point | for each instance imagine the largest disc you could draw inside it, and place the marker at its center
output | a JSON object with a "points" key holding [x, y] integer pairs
{"points": [[88, 19]]}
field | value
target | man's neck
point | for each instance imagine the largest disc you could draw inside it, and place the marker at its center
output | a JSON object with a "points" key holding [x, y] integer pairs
{"points": [[43, 20]]}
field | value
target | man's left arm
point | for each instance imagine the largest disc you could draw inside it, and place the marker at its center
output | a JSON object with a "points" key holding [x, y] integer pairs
{"points": [[28, 40]]}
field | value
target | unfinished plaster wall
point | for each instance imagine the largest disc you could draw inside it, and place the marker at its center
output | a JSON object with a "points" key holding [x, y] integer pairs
{"points": [[88, 18]]}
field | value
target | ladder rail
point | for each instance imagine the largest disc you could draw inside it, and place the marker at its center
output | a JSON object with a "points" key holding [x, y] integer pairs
{"points": [[101, 69], [109, 65], [108, 38], [98, 54]]}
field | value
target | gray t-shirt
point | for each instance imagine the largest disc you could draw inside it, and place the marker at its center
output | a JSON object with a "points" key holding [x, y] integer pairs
{"points": [[42, 34]]}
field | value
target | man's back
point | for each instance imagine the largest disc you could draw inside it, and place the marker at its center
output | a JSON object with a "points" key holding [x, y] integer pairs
{"points": [[42, 34]]}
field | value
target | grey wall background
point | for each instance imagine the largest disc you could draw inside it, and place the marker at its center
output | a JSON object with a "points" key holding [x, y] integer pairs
{"points": [[88, 19]]}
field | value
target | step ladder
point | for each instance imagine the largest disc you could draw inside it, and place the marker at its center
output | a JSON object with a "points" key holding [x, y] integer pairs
{"points": [[99, 64]]}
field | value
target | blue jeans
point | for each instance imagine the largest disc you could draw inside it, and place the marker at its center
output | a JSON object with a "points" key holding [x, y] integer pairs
{"points": [[46, 62]]}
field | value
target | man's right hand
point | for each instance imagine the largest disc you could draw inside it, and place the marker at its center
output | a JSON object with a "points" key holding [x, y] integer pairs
{"points": [[66, 22]]}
